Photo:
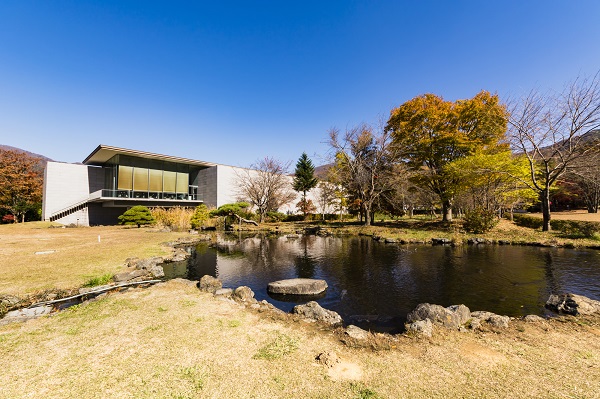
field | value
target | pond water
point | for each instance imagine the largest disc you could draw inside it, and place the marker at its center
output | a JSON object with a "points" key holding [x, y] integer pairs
{"points": [[375, 285]]}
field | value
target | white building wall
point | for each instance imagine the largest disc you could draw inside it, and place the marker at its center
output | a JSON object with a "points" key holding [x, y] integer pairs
{"points": [[64, 185], [227, 191]]}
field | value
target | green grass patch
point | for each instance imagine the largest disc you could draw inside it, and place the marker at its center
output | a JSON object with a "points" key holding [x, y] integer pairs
{"points": [[281, 346], [363, 392], [187, 303], [98, 280]]}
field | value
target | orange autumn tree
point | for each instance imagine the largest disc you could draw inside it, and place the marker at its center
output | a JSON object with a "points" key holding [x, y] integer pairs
{"points": [[20, 183], [431, 133]]}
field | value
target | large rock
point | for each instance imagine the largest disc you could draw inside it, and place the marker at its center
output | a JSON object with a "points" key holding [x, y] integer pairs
{"points": [[421, 327], [490, 318], [572, 304], [297, 286], [144, 264], [133, 275], [243, 294], [356, 332], [312, 311], [210, 284], [451, 317], [157, 271]]}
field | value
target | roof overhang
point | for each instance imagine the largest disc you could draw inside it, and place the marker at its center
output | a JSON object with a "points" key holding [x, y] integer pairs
{"points": [[103, 153]]}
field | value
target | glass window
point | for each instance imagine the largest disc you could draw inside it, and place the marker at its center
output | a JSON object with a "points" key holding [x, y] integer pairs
{"points": [[140, 179], [156, 182], [125, 177], [169, 179], [182, 182]]}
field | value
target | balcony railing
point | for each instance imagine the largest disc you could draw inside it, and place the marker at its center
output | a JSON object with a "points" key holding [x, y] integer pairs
{"points": [[150, 195]]}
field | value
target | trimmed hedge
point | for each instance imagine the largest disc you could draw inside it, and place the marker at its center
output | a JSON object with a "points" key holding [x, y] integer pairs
{"points": [[576, 228], [570, 228], [528, 221]]}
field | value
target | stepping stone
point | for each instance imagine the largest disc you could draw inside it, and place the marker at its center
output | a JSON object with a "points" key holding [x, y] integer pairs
{"points": [[297, 286]]}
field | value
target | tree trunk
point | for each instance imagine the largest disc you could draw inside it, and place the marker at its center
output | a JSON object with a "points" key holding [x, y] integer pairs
{"points": [[241, 219], [545, 198], [446, 211], [592, 199], [411, 211]]}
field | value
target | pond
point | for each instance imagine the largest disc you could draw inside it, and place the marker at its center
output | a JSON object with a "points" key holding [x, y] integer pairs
{"points": [[375, 285]]}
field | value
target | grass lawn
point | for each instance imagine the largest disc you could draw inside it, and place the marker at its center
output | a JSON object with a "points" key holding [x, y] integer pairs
{"points": [[68, 257], [172, 341]]}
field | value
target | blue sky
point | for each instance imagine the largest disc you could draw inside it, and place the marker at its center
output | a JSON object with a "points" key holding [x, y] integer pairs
{"points": [[235, 81]]}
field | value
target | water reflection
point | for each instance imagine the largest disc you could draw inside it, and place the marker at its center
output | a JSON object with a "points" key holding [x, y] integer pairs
{"points": [[377, 284]]}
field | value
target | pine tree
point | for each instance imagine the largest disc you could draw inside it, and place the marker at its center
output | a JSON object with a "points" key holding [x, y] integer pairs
{"points": [[304, 176], [138, 215]]}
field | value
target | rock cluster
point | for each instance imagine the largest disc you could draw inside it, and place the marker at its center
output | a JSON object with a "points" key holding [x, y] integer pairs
{"points": [[451, 317], [312, 311], [456, 317], [572, 304]]}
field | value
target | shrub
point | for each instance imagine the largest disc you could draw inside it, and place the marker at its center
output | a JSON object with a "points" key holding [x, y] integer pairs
{"points": [[200, 216], [528, 221], [138, 215], [276, 216], [238, 208], [480, 220], [576, 228]]}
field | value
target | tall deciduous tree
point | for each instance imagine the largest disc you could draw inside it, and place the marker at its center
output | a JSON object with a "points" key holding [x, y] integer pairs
{"points": [[493, 181], [431, 133], [266, 185], [364, 162], [20, 183], [304, 179], [551, 130]]}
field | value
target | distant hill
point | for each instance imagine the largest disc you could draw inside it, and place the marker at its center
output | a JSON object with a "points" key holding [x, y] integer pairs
{"points": [[31, 154], [42, 160], [321, 171]]}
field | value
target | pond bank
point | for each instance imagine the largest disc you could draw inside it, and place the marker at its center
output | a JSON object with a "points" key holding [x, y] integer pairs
{"points": [[171, 340], [421, 320]]}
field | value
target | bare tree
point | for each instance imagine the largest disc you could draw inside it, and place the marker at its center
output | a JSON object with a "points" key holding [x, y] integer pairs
{"points": [[364, 161], [327, 197], [550, 130], [266, 185], [586, 175]]}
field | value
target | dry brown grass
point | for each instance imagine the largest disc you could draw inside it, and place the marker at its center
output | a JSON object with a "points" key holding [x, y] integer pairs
{"points": [[78, 256], [573, 215], [176, 218], [171, 341]]}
